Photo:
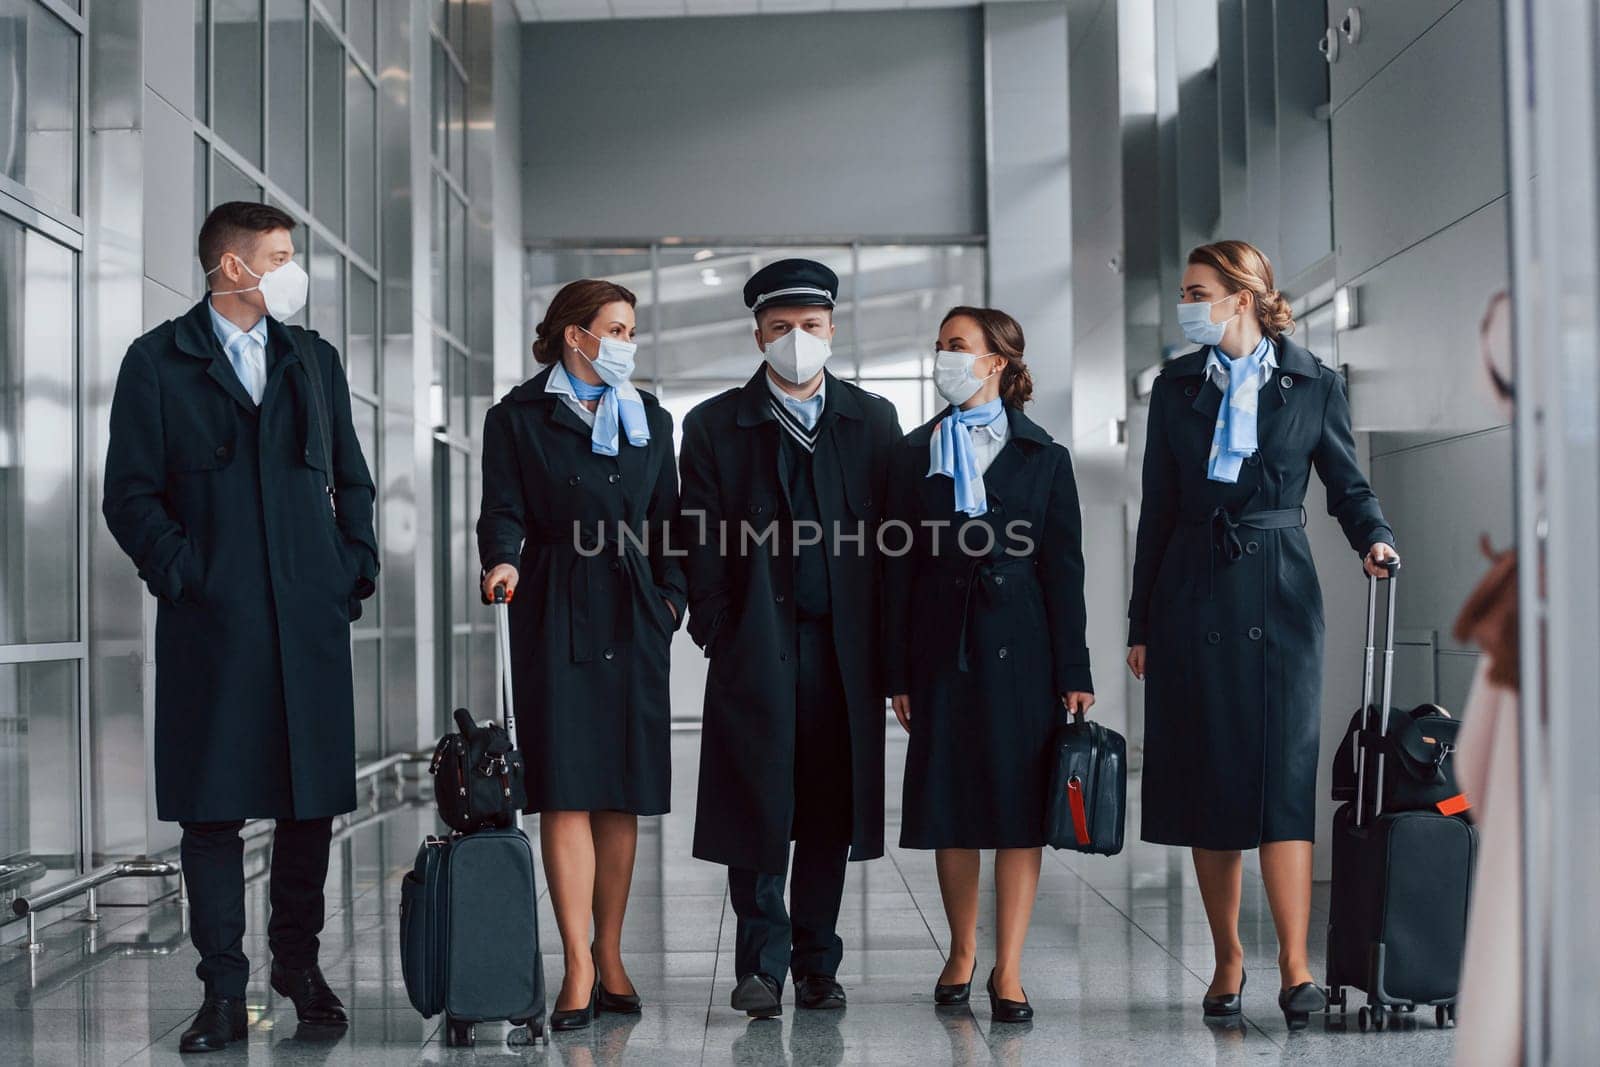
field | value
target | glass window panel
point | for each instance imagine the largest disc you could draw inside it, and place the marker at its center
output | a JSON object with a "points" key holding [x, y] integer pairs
{"points": [[459, 384], [237, 99], [436, 404], [286, 87], [363, 98], [39, 102], [908, 398], [480, 395], [361, 351], [905, 290], [457, 276], [458, 124], [366, 669], [361, 26], [439, 113], [327, 295], [39, 770], [461, 548], [436, 248], [681, 398], [202, 58], [327, 128], [228, 182], [38, 484], [458, 26], [202, 203]]}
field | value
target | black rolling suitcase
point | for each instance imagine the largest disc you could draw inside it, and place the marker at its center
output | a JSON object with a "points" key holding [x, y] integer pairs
{"points": [[1398, 912], [469, 925]]}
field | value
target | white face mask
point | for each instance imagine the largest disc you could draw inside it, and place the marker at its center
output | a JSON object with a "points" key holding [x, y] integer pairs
{"points": [[797, 356], [615, 362], [1195, 322], [953, 377], [283, 289]]}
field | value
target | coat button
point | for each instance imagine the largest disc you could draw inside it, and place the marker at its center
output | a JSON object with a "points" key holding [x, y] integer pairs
{"points": [[575, 479], [996, 509], [615, 565], [783, 657], [777, 598], [1003, 652], [222, 451], [1213, 638], [308, 455], [1255, 633], [1286, 381], [755, 509], [1251, 548], [961, 583], [1253, 458], [613, 478], [610, 653], [999, 579], [867, 503], [1190, 391]]}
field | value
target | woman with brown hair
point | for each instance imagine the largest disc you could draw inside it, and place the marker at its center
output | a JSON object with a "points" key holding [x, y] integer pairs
{"points": [[579, 486], [985, 638], [1225, 621]]}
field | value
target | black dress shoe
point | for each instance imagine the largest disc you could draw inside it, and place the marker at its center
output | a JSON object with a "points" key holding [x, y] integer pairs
{"points": [[576, 1018], [314, 1002], [219, 1021], [949, 995], [819, 992], [758, 996], [617, 1003], [1299, 1002], [1008, 1011], [1225, 1005]]}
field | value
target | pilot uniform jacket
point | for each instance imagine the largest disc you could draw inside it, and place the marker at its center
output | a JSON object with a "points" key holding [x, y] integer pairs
{"points": [[590, 629], [742, 611], [224, 508], [1231, 612], [984, 640]]}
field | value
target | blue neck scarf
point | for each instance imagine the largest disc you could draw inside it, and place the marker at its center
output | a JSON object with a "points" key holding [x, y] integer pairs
{"points": [[617, 404], [1233, 439], [950, 453]]}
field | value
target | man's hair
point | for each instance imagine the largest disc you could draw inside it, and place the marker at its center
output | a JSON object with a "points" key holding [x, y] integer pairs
{"points": [[234, 227]]}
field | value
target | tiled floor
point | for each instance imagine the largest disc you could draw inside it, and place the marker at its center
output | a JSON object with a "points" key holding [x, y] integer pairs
{"points": [[1117, 962]]}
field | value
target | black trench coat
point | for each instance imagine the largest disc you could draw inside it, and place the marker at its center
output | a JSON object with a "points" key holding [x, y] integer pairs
{"points": [[1233, 685], [741, 611], [984, 640], [590, 632], [224, 509]]}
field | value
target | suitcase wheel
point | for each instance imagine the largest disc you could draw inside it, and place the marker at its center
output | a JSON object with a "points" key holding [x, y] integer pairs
{"points": [[1444, 1015], [537, 1030], [458, 1034], [1375, 1015]]}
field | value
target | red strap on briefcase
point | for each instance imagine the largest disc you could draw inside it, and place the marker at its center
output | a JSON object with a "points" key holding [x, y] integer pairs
{"points": [[1080, 819]]}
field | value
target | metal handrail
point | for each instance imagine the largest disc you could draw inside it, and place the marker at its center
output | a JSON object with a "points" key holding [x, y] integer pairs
{"points": [[143, 867]]}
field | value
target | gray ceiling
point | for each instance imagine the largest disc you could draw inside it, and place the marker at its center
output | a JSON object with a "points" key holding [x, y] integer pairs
{"points": [[586, 10]]}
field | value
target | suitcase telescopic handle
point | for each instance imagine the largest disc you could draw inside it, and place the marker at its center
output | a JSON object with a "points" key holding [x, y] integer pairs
{"points": [[502, 663], [1392, 569]]}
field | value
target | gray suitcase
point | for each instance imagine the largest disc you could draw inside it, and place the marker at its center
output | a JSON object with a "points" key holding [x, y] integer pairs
{"points": [[469, 923]]}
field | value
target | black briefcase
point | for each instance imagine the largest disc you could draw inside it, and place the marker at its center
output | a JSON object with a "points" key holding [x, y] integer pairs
{"points": [[478, 778], [1418, 766], [1088, 799]]}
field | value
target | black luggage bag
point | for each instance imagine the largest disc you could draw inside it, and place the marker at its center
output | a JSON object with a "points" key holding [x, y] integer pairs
{"points": [[1085, 811], [1401, 882], [477, 776], [469, 925]]}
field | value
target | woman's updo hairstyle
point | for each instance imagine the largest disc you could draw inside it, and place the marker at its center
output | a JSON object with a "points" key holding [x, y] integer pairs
{"points": [[575, 305], [1002, 335], [1242, 266]]}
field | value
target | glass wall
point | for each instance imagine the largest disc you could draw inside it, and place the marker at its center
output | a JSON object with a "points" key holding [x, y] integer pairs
{"points": [[695, 336], [42, 651]]}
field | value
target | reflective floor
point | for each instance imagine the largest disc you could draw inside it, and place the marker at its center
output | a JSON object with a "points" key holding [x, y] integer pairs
{"points": [[1117, 961]]}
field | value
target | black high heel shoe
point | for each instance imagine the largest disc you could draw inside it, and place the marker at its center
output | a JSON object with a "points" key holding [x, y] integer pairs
{"points": [[1008, 1011], [958, 993], [1299, 1002], [1225, 1005], [576, 1018], [617, 1003]]}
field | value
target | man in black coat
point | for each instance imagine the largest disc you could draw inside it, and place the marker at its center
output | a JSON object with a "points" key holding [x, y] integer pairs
{"points": [[235, 482], [783, 490]]}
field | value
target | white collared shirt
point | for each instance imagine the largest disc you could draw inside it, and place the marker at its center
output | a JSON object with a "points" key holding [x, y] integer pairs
{"points": [[988, 441], [1217, 364], [246, 350], [559, 384], [809, 410]]}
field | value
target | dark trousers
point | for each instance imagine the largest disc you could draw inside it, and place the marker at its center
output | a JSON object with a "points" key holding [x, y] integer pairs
{"points": [[802, 940], [213, 872]]}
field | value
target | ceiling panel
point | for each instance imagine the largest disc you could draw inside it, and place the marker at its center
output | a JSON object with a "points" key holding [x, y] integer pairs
{"points": [[590, 10]]}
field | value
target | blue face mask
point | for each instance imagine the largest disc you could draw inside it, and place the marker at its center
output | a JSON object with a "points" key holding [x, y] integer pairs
{"points": [[1195, 321], [614, 364]]}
